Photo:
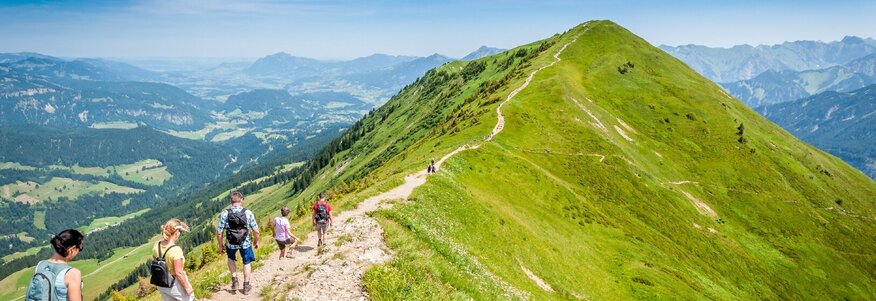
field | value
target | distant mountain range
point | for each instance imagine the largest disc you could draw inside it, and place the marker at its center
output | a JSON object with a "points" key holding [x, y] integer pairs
{"points": [[14, 57], [820, 92], [81, 93], [774, 86], [842, 123], [284, 64], [743, 62]]}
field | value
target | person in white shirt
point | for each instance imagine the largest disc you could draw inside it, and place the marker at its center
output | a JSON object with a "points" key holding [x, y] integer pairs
{"points": [[282, 233]]}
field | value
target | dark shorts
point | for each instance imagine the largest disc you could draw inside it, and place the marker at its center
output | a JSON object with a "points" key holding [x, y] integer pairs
{"points": [[282, 244], [246, 254]]}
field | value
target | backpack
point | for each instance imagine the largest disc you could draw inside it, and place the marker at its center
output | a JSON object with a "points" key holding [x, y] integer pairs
{"points": [[238, 227], [41, 287], [321, 212], [161, 276]]}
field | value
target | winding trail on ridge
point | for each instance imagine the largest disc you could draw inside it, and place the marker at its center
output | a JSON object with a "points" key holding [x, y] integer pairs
{"points": [[352, 245]]}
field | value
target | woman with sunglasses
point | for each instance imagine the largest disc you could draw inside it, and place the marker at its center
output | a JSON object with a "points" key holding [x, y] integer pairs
{"points": [[54, 276], [174, 257]]}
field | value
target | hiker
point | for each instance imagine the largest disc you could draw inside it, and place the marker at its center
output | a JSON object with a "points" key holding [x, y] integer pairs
{"points": [[430, 169], [282, 233], [322, 218], [54, 278], [168, 262], [235, 223]]}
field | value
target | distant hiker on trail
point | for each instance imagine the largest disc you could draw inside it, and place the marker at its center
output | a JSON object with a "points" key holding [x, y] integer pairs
{"points": [[322, 218], [431, 168], [168, 262], [54, 279], [280, 226], [235, 224]]}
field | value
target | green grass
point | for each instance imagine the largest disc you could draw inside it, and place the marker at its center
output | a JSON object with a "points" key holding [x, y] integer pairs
{"points": [[224, 124], [94, 171], [224, 136], [16, 255], [58, 187], [343, 239], [536, 199], [125, 125], [39, 219], [288, 167], [148, 172], [16, 166], [22, 236], [109, 221]]}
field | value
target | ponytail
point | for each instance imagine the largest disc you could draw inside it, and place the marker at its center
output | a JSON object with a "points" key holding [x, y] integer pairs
{"points": [[171, 226], [65, 240]]}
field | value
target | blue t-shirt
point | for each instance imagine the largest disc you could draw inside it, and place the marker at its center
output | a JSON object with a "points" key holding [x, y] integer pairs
{"points": [[251, 223]]}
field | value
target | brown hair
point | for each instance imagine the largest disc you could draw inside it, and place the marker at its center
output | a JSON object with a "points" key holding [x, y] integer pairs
{"points": [[171, 226], [237, 195], [284, 211]]}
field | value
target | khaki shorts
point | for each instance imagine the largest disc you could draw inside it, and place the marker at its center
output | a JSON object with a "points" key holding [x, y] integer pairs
{"points": [[322, 227], [176, 293]]}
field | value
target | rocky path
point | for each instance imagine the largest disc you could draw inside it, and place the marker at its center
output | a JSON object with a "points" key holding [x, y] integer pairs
{"points": [[354, 244]]}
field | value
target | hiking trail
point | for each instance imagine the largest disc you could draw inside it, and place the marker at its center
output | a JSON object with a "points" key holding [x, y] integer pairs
{"points": [[351, 246]]}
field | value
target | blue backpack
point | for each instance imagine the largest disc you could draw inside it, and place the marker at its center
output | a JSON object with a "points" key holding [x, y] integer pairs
{"points": [[43, 285]]}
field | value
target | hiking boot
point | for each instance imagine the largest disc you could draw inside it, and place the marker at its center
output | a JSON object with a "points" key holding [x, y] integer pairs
{"points": [[233, 283], [246, 288]]}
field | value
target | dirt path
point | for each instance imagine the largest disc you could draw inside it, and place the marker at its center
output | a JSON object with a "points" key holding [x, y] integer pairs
{"points": [[500, 124], [354, 244]]}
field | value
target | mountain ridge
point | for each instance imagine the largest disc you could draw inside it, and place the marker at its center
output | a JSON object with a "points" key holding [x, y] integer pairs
{"points": [[841, 123], [618, 161], [771, 86], [742, 62]]}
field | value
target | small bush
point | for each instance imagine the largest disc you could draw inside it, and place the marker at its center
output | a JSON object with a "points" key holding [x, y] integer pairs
{"points": [[642, 281]]}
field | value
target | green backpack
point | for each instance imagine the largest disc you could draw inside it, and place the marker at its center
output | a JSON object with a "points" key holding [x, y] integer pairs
{"points": [[43, 285]]}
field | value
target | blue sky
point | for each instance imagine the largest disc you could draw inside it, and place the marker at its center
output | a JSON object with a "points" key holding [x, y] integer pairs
{"points": [[344, 29]]}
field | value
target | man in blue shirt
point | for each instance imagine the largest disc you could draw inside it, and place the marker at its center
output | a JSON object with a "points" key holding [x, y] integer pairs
{"points": [[235, 223]]}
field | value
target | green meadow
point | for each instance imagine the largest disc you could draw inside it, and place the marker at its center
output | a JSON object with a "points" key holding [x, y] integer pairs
{"points": [[620, 174]]}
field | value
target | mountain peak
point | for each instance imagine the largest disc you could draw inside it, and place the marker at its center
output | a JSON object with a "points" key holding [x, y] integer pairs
{"points": [[852, 40], [482, 52]]}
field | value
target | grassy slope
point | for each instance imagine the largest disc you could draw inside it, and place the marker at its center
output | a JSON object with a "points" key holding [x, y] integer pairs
{"points": [[69, 188], [618, 227], [602, 229], [109, 221], [403, 126], [147, 172]]}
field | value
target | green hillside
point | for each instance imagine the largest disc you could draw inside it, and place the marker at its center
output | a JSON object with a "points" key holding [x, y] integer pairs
{"points": [[620, 173]]}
